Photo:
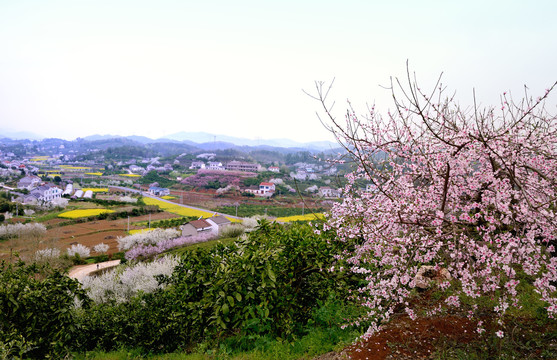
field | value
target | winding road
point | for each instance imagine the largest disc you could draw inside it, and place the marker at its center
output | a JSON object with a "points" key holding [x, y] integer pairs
{"points": [[80, 271]]}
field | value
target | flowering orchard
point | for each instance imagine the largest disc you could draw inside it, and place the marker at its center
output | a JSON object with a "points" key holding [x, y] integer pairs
{"points": [[468, 192]]}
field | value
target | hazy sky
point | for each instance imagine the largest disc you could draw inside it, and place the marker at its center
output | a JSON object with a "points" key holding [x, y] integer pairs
{"points": [[72, 68]]}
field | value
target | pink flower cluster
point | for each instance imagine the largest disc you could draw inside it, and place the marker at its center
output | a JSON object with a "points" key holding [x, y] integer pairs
{"points": [[203, 179], [472, 192], [150, 250]]}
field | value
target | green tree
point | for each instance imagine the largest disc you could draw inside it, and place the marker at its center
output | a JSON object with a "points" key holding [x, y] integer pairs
{"points": [[36, 311]]}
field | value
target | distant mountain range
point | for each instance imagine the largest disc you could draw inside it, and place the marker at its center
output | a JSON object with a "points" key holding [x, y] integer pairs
{"points": [[203, 137], [200, 140]]}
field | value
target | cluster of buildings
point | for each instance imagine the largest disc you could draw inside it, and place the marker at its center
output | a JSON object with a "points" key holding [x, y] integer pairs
{"points": [[16, 167], [39, 191], [230, 166]]}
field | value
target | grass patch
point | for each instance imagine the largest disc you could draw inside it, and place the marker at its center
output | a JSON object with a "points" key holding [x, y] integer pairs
{"points": [[48, 216], [245, 210]]}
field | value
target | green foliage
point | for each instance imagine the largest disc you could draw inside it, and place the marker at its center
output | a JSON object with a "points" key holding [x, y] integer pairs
{"points": [[153, 176], [268, 284], [36, 317], [276, 211], [171, 223], [125, 152], [136, 211]]}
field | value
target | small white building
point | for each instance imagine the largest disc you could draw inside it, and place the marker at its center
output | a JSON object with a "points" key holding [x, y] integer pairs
{"points": [[218, 223], [196, 227], [29, 182], [329, 192], [158, 191], [215, 165], [197, 165], [265, 189], [47, 193], [68, 190]]}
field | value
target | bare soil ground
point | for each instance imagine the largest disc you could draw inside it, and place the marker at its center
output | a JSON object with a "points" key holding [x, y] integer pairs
{"points": [[404, 338]]}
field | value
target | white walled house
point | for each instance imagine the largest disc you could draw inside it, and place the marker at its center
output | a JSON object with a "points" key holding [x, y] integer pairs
{"points": [[265, 189], [47, 193], [329, 192], [215, 165], [29, 182], [218, 223], [158, 191], [196, 227], [197, 165]]}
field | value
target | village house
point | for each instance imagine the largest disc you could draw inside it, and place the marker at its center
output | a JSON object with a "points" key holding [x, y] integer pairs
{"points": [[274, 169], [215, 165], [196, 227], [46, 193], [197, 165], [325, 191], [218, 223], [158, 191], [265, 189], [29, 182], [242, 166]]}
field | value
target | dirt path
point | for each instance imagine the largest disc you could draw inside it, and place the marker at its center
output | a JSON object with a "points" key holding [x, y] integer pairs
{"points": [[80, 271]]}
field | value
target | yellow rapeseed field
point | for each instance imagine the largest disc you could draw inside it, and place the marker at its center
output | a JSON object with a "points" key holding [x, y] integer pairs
{"points": [[95, 190], [129, 175], [305, 217], [94, 173], [39, 158], [176, 209], [138, 231], [69, 167], [74, 214], [168, 197]]}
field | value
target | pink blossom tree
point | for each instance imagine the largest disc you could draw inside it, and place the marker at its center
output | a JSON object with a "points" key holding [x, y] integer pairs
{"points": [[468, 192]]}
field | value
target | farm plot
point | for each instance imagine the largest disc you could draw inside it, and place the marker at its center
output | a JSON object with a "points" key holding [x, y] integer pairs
{"points": [[88, 233], [81, 213]]}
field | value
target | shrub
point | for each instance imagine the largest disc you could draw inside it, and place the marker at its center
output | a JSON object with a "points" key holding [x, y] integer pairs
{"points": [[101, 248], [121, 285], [233, 230], [79, 250], [47, 254], [151, 237], [36, 312]]}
